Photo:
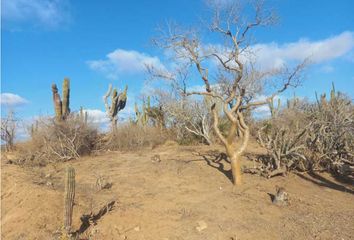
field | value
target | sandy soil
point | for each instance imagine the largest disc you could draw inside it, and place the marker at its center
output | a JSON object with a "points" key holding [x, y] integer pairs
{"points": [[184, 196]]}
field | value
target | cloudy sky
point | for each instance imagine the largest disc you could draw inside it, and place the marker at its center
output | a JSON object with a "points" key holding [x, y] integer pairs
{"points": [[95, 43]]}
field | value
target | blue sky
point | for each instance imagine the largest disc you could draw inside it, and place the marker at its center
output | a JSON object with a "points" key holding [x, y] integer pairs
{"points": [[95, 43]]}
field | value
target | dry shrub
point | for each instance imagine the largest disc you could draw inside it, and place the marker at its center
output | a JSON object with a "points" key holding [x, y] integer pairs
{"points": [[53, 141], [330, 138], [315, 137], [284, 138], [130, 136]]}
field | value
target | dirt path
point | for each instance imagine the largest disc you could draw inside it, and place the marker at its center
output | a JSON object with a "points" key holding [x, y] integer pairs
{"points": [[181, 197]]}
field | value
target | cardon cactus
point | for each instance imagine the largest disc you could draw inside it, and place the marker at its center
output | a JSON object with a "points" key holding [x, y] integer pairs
{"points": [[69, 198], [118, 102], [142, 116], [83, 116], [61, 107], [274, 110]]}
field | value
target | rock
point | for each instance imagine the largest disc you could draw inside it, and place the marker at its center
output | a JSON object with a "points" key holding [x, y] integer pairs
{"points": [[281, 197], [201, 226], [137, 228]]}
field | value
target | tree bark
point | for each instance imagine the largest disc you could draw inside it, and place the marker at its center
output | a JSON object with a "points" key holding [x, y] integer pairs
{"points": [[236, 169]]}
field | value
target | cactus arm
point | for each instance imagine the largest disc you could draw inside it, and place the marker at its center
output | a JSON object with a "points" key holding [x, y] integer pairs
{"points": [[105, 100], [57, 103], [66, 98]]}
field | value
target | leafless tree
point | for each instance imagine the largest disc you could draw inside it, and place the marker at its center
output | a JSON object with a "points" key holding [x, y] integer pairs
{"points": [[8, 130], [239, 81]]}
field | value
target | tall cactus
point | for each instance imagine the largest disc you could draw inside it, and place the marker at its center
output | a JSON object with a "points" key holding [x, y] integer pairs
{"points": [[69, 198], [118, 102], [61, 107]]}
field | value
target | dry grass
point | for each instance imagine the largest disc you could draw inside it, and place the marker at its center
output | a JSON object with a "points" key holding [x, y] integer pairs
{"points": [[131, 137]]}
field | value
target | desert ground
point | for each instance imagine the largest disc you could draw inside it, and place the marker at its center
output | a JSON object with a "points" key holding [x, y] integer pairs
{"points": [[185, 195]]}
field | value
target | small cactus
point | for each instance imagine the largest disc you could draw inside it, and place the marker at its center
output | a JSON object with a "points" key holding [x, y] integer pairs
{"points": [[69, 198], [61, 107]]}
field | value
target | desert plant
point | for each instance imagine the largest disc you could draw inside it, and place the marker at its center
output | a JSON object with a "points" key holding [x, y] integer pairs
{"points": [[55, 141], [331, 136], [61, 107], [285, 146], [83, 116], [118, 102], [238, 80], [130, 136], [274, 110], [69, 198], [8, 130], [310, 136], [191, 115], [141, 116]]}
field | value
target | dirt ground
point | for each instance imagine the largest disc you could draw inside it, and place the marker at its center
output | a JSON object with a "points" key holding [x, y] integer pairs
{"points": [[187, 195]]}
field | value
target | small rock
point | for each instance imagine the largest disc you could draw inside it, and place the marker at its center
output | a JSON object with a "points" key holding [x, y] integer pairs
{"points": [[156, 158], [137, 228], [281, 196], [202, 226]]}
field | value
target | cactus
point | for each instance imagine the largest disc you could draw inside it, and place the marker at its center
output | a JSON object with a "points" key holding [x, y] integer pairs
{"points": [[61, 107], [274, 110], [333, 94], [118, 102], [142, 116], [323, 100], [83, 116], [292, 103], [69, 198], [34, 128]]}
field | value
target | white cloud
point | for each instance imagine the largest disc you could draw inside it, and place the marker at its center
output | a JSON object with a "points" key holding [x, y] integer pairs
{"points": [[11, 100], [274, 55], [46, 12], [124, 61], [96, 116]]}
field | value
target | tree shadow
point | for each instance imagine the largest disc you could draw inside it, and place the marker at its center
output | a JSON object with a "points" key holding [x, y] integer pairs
{"points": [[323, 182], [214, 160], [91, 219]]}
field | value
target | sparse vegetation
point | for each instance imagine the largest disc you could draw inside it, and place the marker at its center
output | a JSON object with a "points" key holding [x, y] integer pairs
{"points": [[311, 137], [8, 130], [212, 114]]}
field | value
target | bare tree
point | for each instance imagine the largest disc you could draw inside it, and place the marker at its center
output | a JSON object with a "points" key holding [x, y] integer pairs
{"points": [[8, 130], [239, 81]]}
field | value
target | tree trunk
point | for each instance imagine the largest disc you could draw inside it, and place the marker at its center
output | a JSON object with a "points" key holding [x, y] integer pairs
{"points": [[236, 169]]}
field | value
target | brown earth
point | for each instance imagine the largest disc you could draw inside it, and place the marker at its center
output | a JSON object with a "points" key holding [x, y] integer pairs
{"points": [[184, 196]]}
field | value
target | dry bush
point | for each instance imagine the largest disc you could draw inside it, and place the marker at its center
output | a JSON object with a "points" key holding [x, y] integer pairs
{"points": [[54, 141], [130, 136], [311, 137], [284, 139], [8, 130], [331, 135]]}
